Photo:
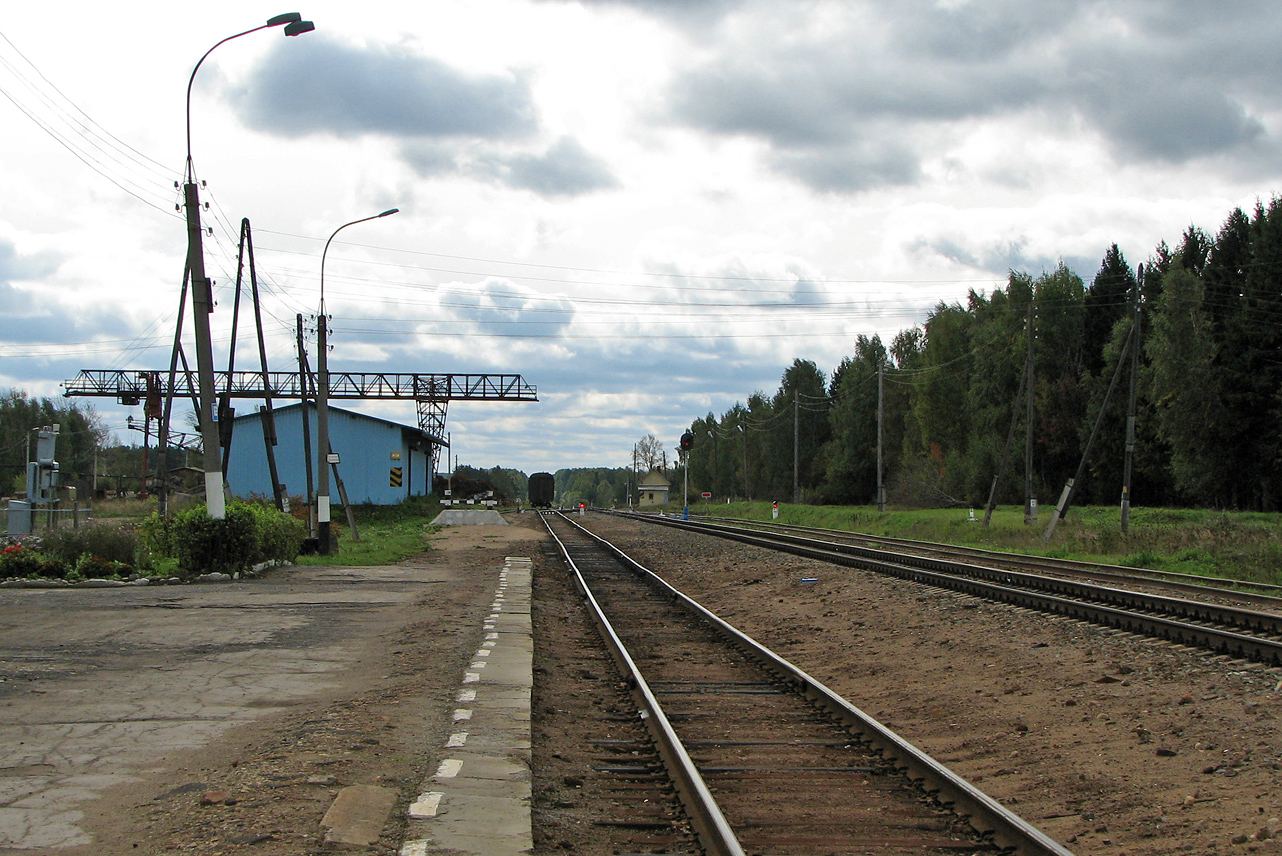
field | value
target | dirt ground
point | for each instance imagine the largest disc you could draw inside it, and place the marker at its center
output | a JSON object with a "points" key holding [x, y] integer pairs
{"points": [[1108, 742], [262, 788]]}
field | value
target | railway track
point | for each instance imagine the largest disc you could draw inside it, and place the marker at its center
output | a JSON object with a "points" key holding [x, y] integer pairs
{"points": [[1236, 631], [1246, 593], [765, 759]]}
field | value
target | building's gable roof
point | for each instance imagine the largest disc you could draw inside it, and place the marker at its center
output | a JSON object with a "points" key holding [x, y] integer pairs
{"points": [[655, 479]]}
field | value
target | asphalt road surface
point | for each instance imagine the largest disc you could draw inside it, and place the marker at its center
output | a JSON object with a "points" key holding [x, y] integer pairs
{"points": [[104, 690]]}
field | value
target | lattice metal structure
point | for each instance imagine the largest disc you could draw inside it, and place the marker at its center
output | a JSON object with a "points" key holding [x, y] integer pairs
{"points": [[431, 393]]}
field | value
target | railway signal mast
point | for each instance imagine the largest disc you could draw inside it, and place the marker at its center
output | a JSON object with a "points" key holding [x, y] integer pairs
{"points": [[684, 447]]}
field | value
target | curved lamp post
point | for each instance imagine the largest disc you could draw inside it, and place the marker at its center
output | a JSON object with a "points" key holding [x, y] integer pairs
{"points": [[202, 297], [323, 455]]}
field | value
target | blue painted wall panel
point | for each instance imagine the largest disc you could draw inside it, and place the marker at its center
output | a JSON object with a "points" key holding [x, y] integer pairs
{"points": [[364, 445]]}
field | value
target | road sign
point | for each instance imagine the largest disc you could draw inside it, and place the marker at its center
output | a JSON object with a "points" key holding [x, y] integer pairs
{"points": [[706, 495]]}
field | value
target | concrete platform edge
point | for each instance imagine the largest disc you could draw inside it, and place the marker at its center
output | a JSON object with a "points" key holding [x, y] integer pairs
{"points": [[484, 774]]}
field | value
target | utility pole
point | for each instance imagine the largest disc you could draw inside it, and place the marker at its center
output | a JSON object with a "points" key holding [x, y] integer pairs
{"points": [[744, 429], [881, 490], [303, 376], [713, 431], [796, 429], [202, 295], [162, 440], [1130, 406], [322, 396], [1066, 497], [322, 430], [202, 299], [266, 417], [1010, 439], [1030, 504], [146, 442]]}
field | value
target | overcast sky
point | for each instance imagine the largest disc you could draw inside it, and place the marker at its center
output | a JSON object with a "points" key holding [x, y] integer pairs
{"points": [[647, 209]]}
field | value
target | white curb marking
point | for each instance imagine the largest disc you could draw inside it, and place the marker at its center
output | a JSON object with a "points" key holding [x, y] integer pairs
{"points": [[449, 768]]}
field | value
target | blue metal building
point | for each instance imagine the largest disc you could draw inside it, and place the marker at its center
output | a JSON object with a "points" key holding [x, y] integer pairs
{"points": [[380, 462]]}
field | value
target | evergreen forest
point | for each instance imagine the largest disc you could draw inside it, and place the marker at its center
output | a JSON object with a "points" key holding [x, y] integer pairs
{"points": [[1207, 389]]}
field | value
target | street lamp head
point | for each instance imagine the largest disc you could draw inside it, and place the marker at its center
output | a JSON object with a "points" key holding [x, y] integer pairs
{"points": [[294, 23], [389, 211]]}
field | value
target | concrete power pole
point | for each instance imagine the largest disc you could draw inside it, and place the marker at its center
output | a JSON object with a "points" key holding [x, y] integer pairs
{"points": [[1130, 407], [304, 375], [1030, 504], [881, 490], [1066, 497], [202, 299], [796, 429], [1010, 439]]}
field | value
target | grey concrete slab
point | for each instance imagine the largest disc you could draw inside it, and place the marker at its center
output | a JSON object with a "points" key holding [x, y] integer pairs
{"points": [[478, 801], [104, 687], [358, 814], [469, 517], [476, 824]]}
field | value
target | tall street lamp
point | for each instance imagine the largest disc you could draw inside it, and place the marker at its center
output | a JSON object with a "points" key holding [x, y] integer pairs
{"points": [[323, 456], [202, 297]]}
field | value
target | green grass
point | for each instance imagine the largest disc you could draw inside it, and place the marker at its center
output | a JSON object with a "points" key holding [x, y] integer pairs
{"points": [[1244, 546], [389, 533], [126, 508]]}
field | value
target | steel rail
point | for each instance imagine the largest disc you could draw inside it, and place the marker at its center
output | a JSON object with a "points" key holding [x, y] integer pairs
{"points": [[1248, 620], [985, 815], [715, 834], [1242, 619], [996, 585], [1243, 589]]}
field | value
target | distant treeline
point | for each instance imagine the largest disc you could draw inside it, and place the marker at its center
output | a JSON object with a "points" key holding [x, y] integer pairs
{"points": [[595, 486], [599, 487], [1208, 396], [80, 434]]}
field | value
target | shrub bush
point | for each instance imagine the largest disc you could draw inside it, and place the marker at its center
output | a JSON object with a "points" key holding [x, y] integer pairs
{"points": [[280, 536], [247, 535], [111, 544], [18, 561], [89, 566]]}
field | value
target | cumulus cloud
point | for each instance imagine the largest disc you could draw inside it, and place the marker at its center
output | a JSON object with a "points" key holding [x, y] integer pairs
{"points": [[17, 266], [741, 279], [849, 169], [19, 304], [687, 13], [836, 103], [565, 168], [319, 85], [499, 306]]}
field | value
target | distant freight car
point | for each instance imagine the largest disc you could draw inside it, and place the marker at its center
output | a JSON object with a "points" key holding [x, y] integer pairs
{"points": [[542, 490]]}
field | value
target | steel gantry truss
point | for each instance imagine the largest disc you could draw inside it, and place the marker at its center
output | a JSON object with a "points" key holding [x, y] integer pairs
{"points": [[132, 385], [431, 393]]}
